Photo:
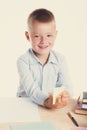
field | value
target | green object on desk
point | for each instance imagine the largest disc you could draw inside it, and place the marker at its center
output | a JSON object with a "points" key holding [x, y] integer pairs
{"points": [[34, 126], [84, 95]]}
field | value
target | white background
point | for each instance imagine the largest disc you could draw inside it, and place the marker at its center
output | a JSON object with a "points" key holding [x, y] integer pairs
{"points": [[71, 20]]}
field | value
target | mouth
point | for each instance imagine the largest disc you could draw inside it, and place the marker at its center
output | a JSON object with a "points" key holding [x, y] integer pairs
{"points": [[43, 47]]}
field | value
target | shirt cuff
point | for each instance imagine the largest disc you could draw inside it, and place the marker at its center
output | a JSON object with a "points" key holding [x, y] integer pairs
{"points": [[39, 98]]}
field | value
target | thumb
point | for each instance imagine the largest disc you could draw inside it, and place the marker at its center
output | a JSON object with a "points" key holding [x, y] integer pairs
{"points": [[50, 96]]}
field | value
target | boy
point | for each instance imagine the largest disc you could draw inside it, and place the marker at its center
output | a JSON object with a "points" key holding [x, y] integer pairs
{"points": [[40, 68]]}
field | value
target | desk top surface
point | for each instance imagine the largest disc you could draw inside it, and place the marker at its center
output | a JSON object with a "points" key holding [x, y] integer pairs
{"points": [[58, 117]]}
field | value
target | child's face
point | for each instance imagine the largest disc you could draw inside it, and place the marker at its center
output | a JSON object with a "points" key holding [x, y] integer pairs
{"points": [[42, 37]]}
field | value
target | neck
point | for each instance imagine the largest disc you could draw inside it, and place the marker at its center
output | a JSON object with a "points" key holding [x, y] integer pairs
{"points": [[42, 58]]}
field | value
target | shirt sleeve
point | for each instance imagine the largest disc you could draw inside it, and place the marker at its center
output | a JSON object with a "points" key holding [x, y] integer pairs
{"points": [[64, 77], [29, 84]]}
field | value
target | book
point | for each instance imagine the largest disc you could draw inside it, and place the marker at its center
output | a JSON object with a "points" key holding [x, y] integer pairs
{"points": [[84, 95], [34, 126], [84, 100], [84, 106], [81, 105], [79, 109], [80, 128]]}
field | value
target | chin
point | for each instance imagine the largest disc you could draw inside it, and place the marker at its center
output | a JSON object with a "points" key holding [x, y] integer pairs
{"points": [[44, 53]]}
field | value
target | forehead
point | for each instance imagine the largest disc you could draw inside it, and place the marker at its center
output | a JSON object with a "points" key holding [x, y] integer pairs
{"points": [[42, 26]]}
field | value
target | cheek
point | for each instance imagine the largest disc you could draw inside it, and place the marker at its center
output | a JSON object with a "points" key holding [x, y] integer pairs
{"points": [[33, 41], [52, 40], [34, 44]]}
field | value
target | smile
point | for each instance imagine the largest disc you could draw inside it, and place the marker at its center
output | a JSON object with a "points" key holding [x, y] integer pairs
{"points": [[42, 47]]}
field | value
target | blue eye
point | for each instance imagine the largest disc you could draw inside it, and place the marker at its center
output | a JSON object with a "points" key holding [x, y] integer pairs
{"points": [[49, 35]]}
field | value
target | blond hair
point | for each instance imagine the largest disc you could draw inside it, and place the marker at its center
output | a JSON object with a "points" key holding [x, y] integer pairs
{"points": [[40, 15]]}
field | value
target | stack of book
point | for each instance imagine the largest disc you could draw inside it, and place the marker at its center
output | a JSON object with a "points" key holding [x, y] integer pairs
{"points": [[81, 105]]}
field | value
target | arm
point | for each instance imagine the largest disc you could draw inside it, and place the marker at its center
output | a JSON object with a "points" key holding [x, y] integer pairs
{"points": [[29, 83], [63, 76], [63, 80]]}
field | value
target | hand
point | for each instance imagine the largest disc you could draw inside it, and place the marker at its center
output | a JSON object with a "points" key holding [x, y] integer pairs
{"points": [[48, 103], [61, 101]]}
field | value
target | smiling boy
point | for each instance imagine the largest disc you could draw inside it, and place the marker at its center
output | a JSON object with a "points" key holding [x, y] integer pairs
{"points": [[40, 68]]}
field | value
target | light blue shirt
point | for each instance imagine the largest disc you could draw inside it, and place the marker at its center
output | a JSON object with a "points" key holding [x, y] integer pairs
{"points": [[37, 80]]}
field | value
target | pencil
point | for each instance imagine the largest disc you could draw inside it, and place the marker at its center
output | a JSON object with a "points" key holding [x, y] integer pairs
{"points": [[78, 100], [73, 119]]}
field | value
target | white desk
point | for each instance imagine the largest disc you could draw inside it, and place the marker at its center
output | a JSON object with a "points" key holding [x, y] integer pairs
{"points": [[58, 117]]}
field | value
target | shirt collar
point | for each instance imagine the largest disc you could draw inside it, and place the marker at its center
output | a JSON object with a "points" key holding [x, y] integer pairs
{"points": [[34, 60], [52, 58]]}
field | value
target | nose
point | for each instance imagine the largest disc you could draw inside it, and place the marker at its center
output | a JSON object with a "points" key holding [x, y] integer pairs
{"points": [[43, 39]]}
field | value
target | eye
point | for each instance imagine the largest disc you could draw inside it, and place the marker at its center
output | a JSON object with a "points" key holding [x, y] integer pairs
{"points": [[36, 36], [49, 35]]}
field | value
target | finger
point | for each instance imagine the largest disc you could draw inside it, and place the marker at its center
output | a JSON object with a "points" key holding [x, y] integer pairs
{"points": [[59, 100], [57, 103], [66, 94], [65, 101], [49, 101]]}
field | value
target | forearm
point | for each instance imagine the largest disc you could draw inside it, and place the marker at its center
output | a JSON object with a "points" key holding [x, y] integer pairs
{"points": [[29, 84], [32, 90], [64, 77]]}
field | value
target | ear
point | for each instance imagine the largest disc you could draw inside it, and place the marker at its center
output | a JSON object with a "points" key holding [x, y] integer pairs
{"points": [[56, 32], [27, 36]]}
